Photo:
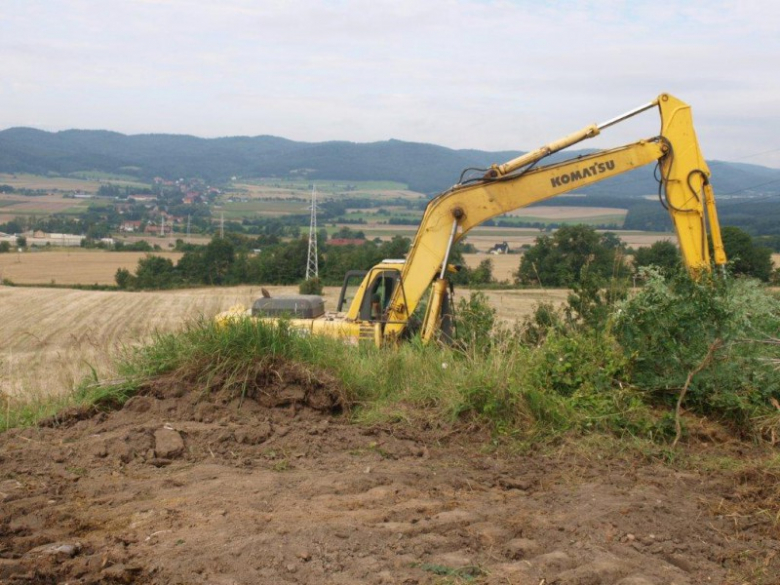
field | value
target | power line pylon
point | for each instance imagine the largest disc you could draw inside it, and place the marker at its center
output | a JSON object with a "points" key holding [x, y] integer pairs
{"points": [[312, 267]]}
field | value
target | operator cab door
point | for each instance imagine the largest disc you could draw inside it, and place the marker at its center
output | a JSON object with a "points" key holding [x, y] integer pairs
{"points": [[378, 294], [352, 281]]}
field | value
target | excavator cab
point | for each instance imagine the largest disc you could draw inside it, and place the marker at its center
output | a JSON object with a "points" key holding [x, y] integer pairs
{"points": [[365, 296]]}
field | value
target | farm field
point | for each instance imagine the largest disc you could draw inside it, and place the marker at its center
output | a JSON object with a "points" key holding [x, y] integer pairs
{"points": [[70, 266], [44, 183], [561, 212], [485, 238], [51, 337], [14, 204], [87, 181], [283, 189], [504, 265]]}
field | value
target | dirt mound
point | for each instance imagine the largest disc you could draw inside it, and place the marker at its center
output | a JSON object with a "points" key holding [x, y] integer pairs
{"points": [[274, 486]]}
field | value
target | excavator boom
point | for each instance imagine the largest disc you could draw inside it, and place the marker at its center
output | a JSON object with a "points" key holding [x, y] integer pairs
{"points": [[518, 183], [384, 299]]}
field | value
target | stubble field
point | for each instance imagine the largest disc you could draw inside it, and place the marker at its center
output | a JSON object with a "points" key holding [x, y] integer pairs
{"points": [[68, 267], [52, 338]]}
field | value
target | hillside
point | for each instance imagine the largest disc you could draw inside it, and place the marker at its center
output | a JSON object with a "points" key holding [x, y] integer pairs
{"points": [[426, 168]]}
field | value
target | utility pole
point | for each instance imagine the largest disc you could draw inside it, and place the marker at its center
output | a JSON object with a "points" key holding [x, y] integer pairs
{"points": [[162, 226], [312, 267]]}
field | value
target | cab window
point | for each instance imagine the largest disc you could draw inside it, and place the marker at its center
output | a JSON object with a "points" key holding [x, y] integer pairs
{"points": [[352, 282], [378, 295]]}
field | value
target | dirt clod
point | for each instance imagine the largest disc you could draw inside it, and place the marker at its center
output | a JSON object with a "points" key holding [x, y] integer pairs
{"points": [[168, 443]]}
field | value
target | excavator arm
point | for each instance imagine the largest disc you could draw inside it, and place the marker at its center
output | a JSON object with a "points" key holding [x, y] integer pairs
{"points": [[687, 195]]}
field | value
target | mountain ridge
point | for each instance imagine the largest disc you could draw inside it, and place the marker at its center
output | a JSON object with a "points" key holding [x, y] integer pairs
{"points": [[424, 167]]}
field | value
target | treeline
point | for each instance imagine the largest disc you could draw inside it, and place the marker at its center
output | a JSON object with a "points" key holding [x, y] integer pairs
{"points": [[571, 257], [239, 259], [757, 217], [234, 260], [576, 254]]}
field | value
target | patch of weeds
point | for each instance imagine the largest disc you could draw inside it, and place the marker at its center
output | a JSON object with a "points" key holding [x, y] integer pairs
{"points": [[461, 575], [374, 446], [281, 465]]}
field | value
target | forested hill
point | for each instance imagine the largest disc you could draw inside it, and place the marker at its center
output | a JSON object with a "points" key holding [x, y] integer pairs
{"points": [[424, 167]]}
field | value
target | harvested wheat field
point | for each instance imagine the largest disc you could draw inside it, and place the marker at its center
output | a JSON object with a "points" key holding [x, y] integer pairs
{"points": [[52, 337], [504, 265], [69, 267]]}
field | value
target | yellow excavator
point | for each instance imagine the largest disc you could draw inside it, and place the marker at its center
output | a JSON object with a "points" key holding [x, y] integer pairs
{"points": [[379, 304]]}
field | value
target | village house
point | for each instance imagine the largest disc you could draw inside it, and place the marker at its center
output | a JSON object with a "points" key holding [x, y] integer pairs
{"points": [[130, 226], [502, 248]]}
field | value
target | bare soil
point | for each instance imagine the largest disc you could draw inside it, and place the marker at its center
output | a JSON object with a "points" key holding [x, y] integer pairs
{"points": [[177, 487]]}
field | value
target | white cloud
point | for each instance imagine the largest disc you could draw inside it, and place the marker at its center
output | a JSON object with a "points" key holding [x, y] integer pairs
{"points": [[463, 73]]}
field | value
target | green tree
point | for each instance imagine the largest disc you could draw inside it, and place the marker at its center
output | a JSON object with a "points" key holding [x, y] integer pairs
{"points": [[280, 264], [123, 278], [218, 258], [663, 254], [155, 272], [559, 260], [745, 257], [398, 247]]}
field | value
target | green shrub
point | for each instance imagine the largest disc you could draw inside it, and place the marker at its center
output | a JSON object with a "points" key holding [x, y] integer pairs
{"points": [[475, 320], [313, 286], [669, 327]]}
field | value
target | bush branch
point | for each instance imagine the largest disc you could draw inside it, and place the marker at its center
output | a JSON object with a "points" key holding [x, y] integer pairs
{"points": [[704, 363]]}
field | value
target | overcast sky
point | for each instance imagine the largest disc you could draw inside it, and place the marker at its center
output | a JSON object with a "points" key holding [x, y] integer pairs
{"points": [[494, 75]]}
